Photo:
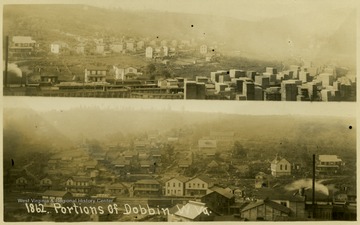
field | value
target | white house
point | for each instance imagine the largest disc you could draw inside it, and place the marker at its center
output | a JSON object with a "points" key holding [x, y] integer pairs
{"points": [[203, 49], [149, 52], [198, 186], [175, 186], [280, 167]]}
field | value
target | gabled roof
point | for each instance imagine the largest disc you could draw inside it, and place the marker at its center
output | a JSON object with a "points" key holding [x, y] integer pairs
{"points": [[121, 161], [222, 192], [213, 164], [117, 186], [80, 178], [269, 203], [180, 178], [203, 178], [278, 160]]}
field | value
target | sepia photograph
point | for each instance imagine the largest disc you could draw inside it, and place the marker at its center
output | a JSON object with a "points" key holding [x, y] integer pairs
{"points": [[179, 111], [219, 50], [72, 160]]}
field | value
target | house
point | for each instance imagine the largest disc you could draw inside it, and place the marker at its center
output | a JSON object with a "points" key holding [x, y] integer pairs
{"points": [[213, 165], [22, 46], [329, 164], [140, 45], [192, 211], [207, 147], [121, 164], [280, 167], [90, 165], [130, 46], [203, 49], [46, 183], [147, 188], [117, 47], [184, 163], [198, 186], [219, 200], [100, 49], [265, 210], [119, 73], [117, 189], [149, 52], [292, 199], [223, 137], [95, 74], [80, 184], [175, 186], [80, 48], [50, 197], [58, 47], [49, 79], [146, 166], [21, 182]]}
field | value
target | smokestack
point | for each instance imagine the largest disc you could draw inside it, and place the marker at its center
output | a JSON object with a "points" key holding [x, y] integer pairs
{"points": [[313, 187], [6, 61]]}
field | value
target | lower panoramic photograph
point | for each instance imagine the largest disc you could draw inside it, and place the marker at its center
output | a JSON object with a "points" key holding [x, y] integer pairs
{"points": [[70, 161]]}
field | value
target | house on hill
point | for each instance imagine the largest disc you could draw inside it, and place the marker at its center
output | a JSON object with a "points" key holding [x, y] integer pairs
{"points": [[219, 199], [280, 167], [329, 164], [176, 186], [198, 186]]}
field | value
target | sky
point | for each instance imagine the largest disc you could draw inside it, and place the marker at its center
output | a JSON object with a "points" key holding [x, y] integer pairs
{"points": [[240, 9]]}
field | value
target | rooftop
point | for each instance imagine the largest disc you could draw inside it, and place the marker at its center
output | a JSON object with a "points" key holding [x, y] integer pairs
{"points": [[269, 203], [329, 158], [22, 39], [191, 210]]}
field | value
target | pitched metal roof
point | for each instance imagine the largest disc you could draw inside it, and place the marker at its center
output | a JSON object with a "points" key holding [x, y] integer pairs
{"points": [[269, 203]]}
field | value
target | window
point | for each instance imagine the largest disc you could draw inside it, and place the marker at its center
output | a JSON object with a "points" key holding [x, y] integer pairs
{"points": [[285, 167], [198, 185], [168, 191], [280, 167], [284, 203], [203, 185], [189, 185], [173, 184], [168, 184]]}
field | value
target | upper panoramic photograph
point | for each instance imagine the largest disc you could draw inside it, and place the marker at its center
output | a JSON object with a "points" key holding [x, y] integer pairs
{"points": [[218, 50]]}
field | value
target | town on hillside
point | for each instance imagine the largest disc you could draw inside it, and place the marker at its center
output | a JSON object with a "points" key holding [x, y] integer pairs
{"points": [[82, 61], [207, 172]]}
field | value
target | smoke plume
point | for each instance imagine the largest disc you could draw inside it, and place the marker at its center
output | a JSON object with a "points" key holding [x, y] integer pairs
{"points": [[307, 184], [12, 67]]}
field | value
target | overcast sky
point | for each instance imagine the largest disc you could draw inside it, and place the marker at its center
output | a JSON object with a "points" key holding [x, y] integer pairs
{"points": [[241, 9]]}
